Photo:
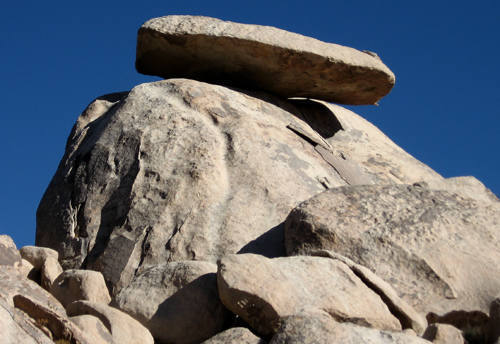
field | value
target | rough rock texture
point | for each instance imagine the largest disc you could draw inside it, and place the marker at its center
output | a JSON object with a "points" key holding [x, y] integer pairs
{"points": [[439, 250], [12, 284], [173, 299], [9, 255], [93, 328], [73, 285], [37, 255], [299, 284], [17, 328], [179, 170], [62, 330], [123, 328], [443, 334], [321, 329], [361, 143], [49, 272], [409, 318], [262, 57], [240, 335]]}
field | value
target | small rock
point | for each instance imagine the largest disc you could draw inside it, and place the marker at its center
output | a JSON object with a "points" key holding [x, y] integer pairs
{"points": [[123, 328], [443, 334], [93, 328], [37, 255], [240, 335], [298, 283], [49, 272], [73, 285]]}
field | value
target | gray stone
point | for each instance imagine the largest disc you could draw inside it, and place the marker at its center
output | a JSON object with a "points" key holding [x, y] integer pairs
{"points": [[73, 285], [321, 329], [260, 57], [178, 302], [299, 285], [123, 328], [240, 335], [439, 250]]}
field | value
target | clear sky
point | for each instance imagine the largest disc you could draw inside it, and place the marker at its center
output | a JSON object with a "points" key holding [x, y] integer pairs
{"points": [[56, 57]]}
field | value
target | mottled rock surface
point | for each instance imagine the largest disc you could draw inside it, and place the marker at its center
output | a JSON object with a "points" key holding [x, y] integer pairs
{"points": [[179, 169], [173, 299], [439, 250], [239, 335], [93, 328], [261, 57], [299, 284], [319, 328]]}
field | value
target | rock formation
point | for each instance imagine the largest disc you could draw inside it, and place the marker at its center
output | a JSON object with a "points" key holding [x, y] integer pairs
{"points": [[217, 206]]}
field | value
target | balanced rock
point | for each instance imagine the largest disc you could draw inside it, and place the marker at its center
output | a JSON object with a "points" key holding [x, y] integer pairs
{"points": [[299, 284], [173, 299], [260, 57], [73, 285], [438, 249]]}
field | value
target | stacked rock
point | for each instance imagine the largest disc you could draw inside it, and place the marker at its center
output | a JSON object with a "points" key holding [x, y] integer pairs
{"points": [[233, 203]]}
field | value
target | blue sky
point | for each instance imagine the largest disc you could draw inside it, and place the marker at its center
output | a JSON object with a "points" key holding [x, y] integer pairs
{"points": [[56, 57]]}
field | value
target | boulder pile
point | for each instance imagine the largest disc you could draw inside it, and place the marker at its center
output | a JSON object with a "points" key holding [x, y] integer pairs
{"points": [[233, 203]]}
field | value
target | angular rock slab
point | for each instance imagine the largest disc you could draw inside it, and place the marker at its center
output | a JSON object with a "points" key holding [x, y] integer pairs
{"points": [[260, 57], [178, 170], [321, 329], [262, 291], [438, 249], [123, 328], [178, 302], [409, 318]]}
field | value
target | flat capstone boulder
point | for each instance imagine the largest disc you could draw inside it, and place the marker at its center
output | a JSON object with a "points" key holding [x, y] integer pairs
{"points": [[260, 57]]}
